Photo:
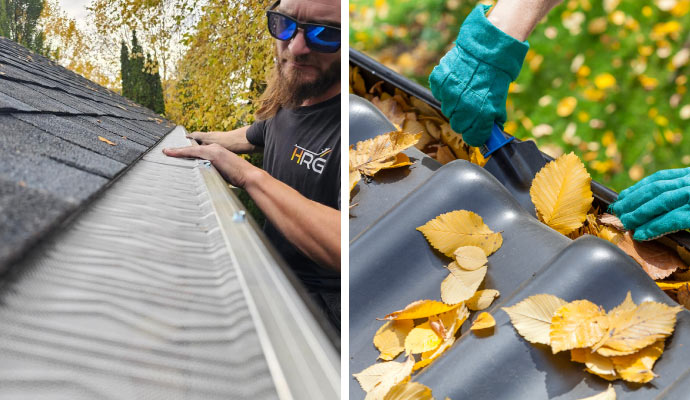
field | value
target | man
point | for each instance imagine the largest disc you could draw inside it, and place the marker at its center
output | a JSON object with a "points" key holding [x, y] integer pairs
{"points": [[472, 81], [298, 127]]}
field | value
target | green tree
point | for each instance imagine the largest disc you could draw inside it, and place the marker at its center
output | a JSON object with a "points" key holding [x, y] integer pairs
{"points": [[141, 81], [124, 70], [19, 22]]}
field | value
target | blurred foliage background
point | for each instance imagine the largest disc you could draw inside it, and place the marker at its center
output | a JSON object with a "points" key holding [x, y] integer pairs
{"points": [[605, 79]]}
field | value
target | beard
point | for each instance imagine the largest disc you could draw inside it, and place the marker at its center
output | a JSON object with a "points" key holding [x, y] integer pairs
{"points": [[293, 90]]}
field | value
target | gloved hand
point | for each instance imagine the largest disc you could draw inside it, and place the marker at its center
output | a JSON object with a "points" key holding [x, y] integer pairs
{"points": [[471, 80], [656, 205]]}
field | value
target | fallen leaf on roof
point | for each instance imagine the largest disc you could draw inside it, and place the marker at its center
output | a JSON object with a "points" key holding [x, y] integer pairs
{"points": [[637, 367], [461, 284], [632, 329], [382, 152], [102, 139], [459, 228], [470, 257], [421, 338], [577, 324], [656, 260], [482, 299], [390, 338], [611, 220], [561, 193], [483, 321], [684, 296], [671, 285], [608, 394], [595, 364], [452, 321], [532, 316], [627, 340], [355, 176], [378, 379], [421, 309], [409, 391]]}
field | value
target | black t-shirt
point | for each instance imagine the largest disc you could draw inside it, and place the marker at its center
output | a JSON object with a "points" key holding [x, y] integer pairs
{"points": [[302, 149]]}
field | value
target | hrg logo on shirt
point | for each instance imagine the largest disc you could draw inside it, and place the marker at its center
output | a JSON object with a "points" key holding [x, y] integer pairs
{"points": [[312, 160]]}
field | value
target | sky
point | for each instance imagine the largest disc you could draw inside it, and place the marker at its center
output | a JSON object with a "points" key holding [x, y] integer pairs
{"points": [[75, 9]]}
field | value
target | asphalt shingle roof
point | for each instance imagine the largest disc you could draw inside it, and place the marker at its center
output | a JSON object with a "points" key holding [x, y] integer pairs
{"points": [[52, 161]]}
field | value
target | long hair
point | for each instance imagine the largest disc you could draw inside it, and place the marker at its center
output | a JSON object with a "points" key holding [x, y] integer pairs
{"points": [[272, 98]]}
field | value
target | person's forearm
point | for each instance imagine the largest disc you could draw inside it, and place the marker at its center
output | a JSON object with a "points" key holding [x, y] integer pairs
{"points": [[310, 226], [238, 142], [235, 140], [518, 18]]}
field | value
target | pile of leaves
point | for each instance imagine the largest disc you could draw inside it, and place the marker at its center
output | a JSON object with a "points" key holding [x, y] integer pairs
{"points": [[424, 329], [412, 115], [621, 344]]}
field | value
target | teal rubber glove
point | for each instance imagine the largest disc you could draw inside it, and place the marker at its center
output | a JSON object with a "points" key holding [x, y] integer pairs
{"points": [[472, 80], [656, 205]]}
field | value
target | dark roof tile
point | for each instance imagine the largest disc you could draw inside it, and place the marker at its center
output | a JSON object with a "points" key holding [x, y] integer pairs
{"points": [[52, 161]]}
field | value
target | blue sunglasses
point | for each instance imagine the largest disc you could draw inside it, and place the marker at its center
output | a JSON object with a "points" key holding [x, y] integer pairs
{"points": [[319, 37]]}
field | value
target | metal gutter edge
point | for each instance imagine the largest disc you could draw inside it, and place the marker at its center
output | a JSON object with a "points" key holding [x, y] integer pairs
{"points": [[303, 362]]}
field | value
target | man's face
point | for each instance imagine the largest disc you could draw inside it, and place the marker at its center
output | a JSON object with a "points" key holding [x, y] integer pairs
{"points": [[307, 72]]}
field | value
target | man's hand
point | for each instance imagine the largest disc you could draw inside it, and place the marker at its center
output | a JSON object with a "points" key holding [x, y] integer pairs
{"points": [[472, 79], [312, 227], [656, 205], [234, 168], [235, 140]]}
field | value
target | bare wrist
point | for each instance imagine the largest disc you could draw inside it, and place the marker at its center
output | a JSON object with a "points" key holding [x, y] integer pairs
{"points": [[518, 18]]}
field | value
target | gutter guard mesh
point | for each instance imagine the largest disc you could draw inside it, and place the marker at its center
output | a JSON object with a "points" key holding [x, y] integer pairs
{"points": [[138, 299]]}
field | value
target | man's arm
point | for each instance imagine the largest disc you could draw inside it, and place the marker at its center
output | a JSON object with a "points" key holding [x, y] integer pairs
{"points": [[310, 226], [518, 18], [235, 140]]}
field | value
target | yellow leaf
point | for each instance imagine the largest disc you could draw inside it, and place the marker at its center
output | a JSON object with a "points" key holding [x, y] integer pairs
{"points": [[102, 139], [421, 309], [390, 338], [482, 299], [632, 329], [452, 321], [561, 193], [671, 285], [476, 157], [609, 394], [409, 391], [371, 155], [460, 284], [358, 86], [596, 364], [355, 176], [470, 257], [532, 316], [684, 296], [378, 379], [483, 321], [458, 228], [566, 106], [577, 324], [637, 367], [422, 338], [401, 160]]}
